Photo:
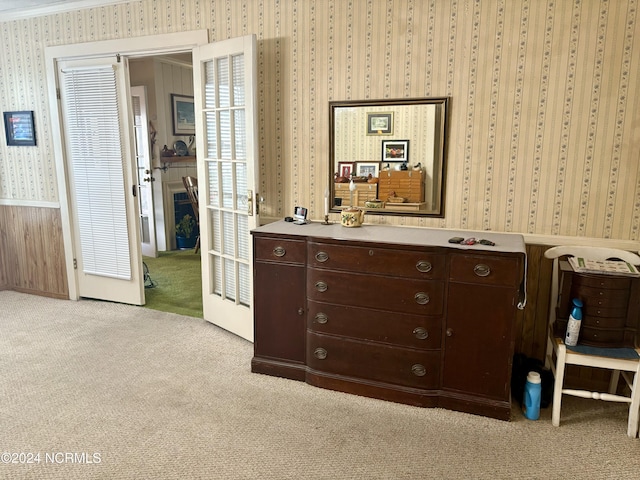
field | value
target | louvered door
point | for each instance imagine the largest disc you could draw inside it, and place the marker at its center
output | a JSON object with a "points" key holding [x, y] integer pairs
{"points": [[101, 174]]}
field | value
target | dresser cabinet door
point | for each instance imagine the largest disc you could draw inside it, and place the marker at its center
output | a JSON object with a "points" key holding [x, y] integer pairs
{"points": [[279, 300], [479, 329]]}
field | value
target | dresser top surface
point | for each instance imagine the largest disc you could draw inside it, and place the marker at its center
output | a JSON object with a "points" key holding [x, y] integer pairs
{"points": [[504, 242]]}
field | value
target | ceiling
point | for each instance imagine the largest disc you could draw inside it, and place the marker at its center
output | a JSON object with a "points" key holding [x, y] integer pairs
{"points": [[9, 5], [16, 9]]}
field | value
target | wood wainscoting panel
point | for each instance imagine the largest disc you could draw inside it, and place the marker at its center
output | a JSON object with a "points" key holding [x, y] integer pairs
{"points": [[4, 250], [531, 331], [531, 337], [32, 251]]}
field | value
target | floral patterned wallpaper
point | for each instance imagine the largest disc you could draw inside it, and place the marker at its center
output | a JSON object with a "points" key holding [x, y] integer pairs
{"points": [[544, 125]]}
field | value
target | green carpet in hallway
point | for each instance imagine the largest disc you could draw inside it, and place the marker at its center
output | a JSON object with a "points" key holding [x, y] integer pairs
{"points": [[178, 283]]}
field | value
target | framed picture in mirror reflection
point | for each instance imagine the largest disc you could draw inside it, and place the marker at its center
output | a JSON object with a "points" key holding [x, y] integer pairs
{"points": [[345, 169], [379, 123], [395, 150], [364, 169]]}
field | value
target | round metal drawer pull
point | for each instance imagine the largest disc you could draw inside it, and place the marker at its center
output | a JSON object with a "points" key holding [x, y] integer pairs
{"points": [[322, 257], [421, 298], [482, 270], [321, 318], [301, 311], [449, 332], [320, 353], [418, 370], [420, 333], [321, 286], [279, 251], [424, 266]]}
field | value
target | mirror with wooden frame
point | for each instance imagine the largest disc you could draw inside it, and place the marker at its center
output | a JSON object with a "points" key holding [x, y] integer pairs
{"points": [[388, 156]]}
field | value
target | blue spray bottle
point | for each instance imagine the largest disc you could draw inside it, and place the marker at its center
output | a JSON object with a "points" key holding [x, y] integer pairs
{"points": [[573, 325]]}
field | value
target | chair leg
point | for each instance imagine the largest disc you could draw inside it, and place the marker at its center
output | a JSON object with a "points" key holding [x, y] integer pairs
{"points": [[557, 387], [613, 383], [548, 357], [197, 244], [632, 429]]}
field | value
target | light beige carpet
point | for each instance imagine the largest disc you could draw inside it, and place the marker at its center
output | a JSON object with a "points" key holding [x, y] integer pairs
{"points": [[151, 395]]}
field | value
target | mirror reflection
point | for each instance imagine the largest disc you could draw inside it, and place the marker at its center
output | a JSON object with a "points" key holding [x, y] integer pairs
{"points": [[387, 156]]}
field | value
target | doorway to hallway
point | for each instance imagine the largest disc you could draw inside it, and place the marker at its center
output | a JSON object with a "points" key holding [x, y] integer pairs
{"points": [[174, 282]]}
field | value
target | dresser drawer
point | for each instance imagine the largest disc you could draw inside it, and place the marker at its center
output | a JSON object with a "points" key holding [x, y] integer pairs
{"points": [[417, 331], [279, 250], [485, 269], [605, 309], [421, 297], [591, 334], [602, 321], [606, 298], [601, 337], [383, 363], [383, 261], [602, 281]]}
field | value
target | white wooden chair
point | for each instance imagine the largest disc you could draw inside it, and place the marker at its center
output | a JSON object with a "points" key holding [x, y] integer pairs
{"points": [[630, 368]]}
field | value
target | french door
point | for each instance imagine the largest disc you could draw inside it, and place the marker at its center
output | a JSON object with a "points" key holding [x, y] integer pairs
{"points": [[224, 96], [94, 105]]}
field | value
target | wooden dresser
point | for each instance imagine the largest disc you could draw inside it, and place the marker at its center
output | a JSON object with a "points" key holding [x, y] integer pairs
{"points": [[611, 310], [389, 312]]}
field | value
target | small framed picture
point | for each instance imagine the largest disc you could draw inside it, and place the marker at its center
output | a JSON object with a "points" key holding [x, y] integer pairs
{"points": [[184, 117], [395, 150], [380, 123], [364, 169], [345, 169], [20, 129]]}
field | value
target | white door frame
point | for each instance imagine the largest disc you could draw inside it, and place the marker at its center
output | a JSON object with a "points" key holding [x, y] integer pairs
{"points": [[145, 190], [147, 45]]}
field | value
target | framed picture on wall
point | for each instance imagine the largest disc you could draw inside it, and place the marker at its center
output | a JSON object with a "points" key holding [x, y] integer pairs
{"points": [[395, 150], [183, 114], [380, 123], [19, 129]]}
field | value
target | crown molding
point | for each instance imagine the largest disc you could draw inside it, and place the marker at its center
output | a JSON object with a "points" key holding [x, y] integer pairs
{"points": [[53, 8]]}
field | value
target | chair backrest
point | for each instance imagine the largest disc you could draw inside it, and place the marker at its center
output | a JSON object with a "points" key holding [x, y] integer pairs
{"points": [[191, 185], [592, 253]]}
